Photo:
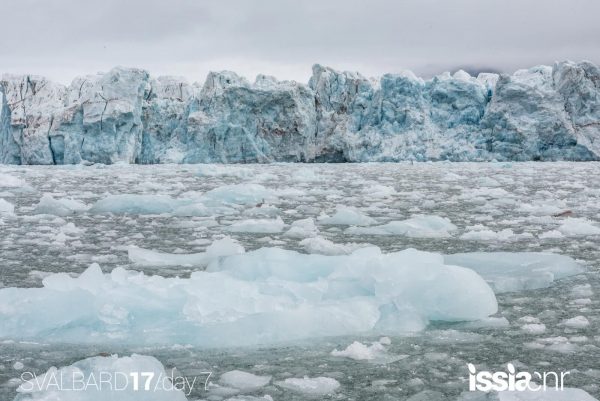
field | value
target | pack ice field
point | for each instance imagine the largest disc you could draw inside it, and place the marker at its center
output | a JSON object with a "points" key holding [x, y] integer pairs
{"points": [[290, 282]]}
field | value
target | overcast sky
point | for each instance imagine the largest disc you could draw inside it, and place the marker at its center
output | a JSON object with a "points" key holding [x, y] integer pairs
{"points": [[65, 38]]}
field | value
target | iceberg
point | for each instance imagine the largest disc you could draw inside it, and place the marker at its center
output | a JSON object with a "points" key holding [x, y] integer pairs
{"points": [[423, 226], [59, 207], [219, 248], [126, 116], [345, 215], [324, 246], [304, 228], [265, 296], [517, 271]]}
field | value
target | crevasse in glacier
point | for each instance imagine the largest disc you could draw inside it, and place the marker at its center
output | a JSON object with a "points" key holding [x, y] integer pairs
{"points": [[125, 115]]}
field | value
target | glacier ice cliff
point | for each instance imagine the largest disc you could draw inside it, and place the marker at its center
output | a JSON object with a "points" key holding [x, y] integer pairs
{"points": [[125, 115]]}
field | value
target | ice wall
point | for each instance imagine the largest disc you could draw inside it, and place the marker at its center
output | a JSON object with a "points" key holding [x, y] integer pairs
{"points": [[124, 115]]}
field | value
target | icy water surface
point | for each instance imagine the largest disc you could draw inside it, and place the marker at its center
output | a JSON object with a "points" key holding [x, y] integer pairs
{"points": [[496, 207]]}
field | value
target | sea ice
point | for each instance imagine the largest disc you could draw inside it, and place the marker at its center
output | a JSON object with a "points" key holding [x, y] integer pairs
{"points": [[223, 170], [323, 246], [222, 247], [360, 351], [376, 352], [304, 228], [422, 226], [345, 215], [506, 271], [264, 226], [313, 386], [534, 328], [481, 233], [551, 394], [552, 234], [244, 381], [264, 296], [59, 207], [577, 322], [137, 204], [6, 207], [240, 194], [10, 181], [578, 226]]}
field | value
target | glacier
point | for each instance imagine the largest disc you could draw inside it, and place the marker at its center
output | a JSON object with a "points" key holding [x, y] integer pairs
{"points": [[127, 116]]}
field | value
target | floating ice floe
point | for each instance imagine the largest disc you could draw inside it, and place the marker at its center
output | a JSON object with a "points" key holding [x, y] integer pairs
{"points": [[345, 215], [10, 181], [517, 271], [6, 208], [307, 175], [223, 170], [376, 352], [244, 381], [137, 204], [264, 226], [534, 328], [550, 394], [579, 226], [265, 296], [422, 226], [304, 228], [264, 210], [219, 248], [240, 194], [312, 386], [379, 191], [59, 207], [577, 322], [323, 246], [482, 233], [65, 384], [552, 234]]}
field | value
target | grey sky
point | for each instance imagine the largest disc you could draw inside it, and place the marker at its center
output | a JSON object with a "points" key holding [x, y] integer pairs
{"points": [[65, 38]]}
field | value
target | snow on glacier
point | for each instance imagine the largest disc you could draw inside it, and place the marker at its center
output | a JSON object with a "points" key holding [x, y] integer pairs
{"points": [[263, 296]]}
